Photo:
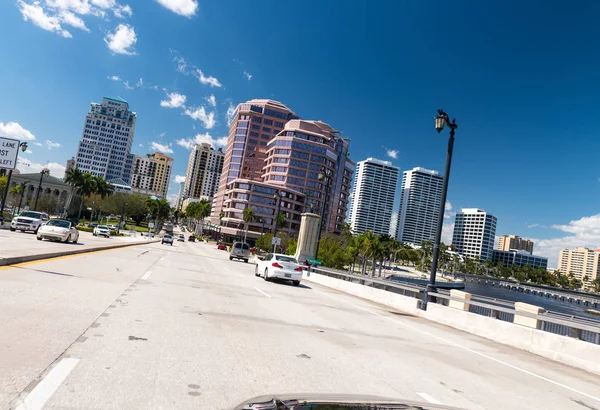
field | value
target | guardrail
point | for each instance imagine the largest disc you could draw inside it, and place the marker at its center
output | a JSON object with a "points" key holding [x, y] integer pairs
{"points": [[584, 329]]}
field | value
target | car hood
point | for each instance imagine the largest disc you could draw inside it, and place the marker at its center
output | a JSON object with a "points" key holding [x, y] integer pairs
{"points": [[46, 228], [267, 402], [26, 219]]}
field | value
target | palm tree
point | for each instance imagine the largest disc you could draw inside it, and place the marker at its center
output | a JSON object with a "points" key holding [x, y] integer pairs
{"points": [[364, 245], [85, 187], [248, 217], [281, 221], [159, 209], [16, 191], [198, 211], [102, 188], [73, 177]]}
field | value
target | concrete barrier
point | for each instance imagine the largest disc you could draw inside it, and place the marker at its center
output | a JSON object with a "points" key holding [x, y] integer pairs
{"points": [[563, 349], [13, 260], [461, 295]]}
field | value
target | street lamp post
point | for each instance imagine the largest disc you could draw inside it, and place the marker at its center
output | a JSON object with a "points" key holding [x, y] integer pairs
{"points": [[23, 147], [441, 120], [277, 197], [23, 187], [43, 172], [324, 175]]}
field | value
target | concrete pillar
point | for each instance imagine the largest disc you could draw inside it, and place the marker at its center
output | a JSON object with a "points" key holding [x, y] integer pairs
{"points": [[457, 304], [307, 239], [525, 320]]}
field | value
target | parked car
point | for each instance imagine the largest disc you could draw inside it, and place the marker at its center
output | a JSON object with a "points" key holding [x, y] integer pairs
{"points": [[278, 266], [58, 230], [167, 239], [101, 230], [221, 247], [29, 221], [240, 250], [181, 238], [191, 238], [92, 224]]}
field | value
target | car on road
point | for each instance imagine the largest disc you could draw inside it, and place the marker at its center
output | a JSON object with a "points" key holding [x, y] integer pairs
{"points": [[92, 224], [240, 250], [221, 247], [29, 221], [58, 230], [278, 266], [191, 238], [167, 239], [101, 230], [181, 238]]}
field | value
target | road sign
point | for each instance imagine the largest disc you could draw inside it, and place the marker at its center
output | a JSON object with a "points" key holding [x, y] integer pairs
{"points": [[9, 149], [150, 225], [276, 241], [314, 262]]}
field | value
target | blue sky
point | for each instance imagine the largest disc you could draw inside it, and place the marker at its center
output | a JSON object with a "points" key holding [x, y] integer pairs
{"points": [[520, 78]]}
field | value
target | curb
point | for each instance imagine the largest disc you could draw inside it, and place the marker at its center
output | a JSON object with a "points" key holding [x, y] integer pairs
{"points": [[29, 258]]}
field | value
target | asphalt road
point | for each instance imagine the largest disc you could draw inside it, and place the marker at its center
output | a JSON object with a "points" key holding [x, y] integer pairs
{"points": [[182, 327]]}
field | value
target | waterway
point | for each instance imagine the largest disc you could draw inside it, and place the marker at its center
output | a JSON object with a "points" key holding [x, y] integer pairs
{"points": [[553, 305]]}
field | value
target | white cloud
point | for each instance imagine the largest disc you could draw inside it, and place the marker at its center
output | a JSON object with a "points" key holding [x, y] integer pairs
{"points": [[28, 151], [127, 86], [36, 13], [210, 80], [51, 14], [140, 83], [50, 144], [247, 75], [392, 153], [179, 178], [164, 148], [38, 144], [212, 100], [181, 64], [175, 100], [162, 134], [172, 198], [27, 167], [141, 145], [122, 40], [189, 143], [185, 8], [447, 231], [72, 20], [114, 78], [230, 112], [208, 119], [14, 130]]}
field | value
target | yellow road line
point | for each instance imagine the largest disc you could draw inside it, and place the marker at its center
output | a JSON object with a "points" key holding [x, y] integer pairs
{"points": [[22, 264]]}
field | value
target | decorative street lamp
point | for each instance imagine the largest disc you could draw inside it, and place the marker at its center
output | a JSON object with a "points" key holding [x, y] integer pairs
{"points": [[43, 172], [23, 147], [325, 175], [441, 120]]}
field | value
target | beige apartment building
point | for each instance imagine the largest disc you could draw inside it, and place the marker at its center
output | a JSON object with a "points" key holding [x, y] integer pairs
{"points": [[151, 174], [583, 263], [514, 242], [203, 172]]}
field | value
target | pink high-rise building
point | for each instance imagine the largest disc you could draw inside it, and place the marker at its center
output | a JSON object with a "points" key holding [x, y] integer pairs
{"points": [[271, 157]]}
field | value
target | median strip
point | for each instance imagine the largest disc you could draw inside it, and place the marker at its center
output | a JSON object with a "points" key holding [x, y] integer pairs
{"points": [[13, 260]]}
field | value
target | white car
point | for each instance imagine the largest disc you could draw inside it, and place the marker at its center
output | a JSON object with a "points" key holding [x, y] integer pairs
{"points": [[101, 230], [278, 266], [58, 230], [29, 221]]}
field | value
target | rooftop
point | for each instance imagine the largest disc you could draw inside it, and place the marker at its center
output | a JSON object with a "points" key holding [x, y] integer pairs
{"points": [[117, 99], [378, 161]]}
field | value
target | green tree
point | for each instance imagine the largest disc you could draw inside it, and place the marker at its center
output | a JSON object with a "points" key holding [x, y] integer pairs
{"points": [[15, 193], [596, 285], [134, 206], [292, 246], [332, 253], [3, 182], [248, 216], [264, 242], [74, 178], [199, 211], [159, 208], [47, 203], [85, 188]]}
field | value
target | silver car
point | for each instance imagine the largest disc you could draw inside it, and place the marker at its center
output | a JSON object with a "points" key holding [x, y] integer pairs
{"points": [[58, 230], [240, 250]]}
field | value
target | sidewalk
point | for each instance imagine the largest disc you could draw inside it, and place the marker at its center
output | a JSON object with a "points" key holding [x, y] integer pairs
{"points": [[18, 247]]}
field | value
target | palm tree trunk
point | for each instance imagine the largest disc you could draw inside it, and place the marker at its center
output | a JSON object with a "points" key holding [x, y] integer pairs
{"points": [[246, 233], [80, 208], [364, 265]]}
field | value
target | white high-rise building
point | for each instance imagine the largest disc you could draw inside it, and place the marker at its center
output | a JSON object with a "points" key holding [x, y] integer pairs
{"points": [[105, 146], [203, 172], [373, 196], [420, 202], [151, 174], [474, 233]]}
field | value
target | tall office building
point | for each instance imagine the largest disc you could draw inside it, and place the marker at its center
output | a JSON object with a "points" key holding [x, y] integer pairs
{"points": [[105, 146], [373, 196], [298, 154], [420, 203], [508, 242], [151, 174], [204, 169], [583, 263], [474, 233], [254, 124]]}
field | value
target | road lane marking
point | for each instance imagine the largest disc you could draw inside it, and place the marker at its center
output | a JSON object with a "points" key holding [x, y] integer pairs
{"points": [[537, 376], [428, 398], [36, 399], [264, 293], [146, 275], [162, 259]]}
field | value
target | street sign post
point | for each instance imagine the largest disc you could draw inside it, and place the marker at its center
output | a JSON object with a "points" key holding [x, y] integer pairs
{"points": [[314, 262], [276, 241], [9, 149]]}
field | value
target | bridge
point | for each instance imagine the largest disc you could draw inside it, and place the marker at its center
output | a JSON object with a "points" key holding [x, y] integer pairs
{"points": [[156, 326]]}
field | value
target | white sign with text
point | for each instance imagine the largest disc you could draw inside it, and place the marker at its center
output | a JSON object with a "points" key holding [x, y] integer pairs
{"points": [[9, 150]]}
